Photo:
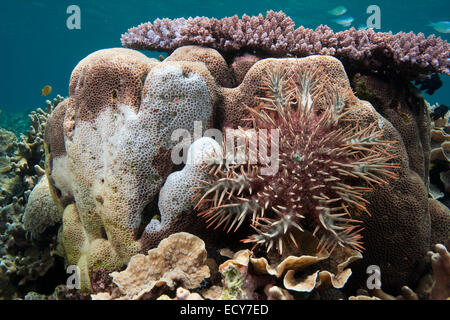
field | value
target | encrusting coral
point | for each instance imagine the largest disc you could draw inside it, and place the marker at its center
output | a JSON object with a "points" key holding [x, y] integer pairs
{"points": [[179, 259], [273, 34], [303, 270], [101, 129]]}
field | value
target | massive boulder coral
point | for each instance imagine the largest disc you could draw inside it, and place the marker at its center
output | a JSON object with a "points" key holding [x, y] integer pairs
{"points": [[323, 158], [109, 150], [109, 145], [440, 157], [40, 212], [23, 259], [400, 206]]}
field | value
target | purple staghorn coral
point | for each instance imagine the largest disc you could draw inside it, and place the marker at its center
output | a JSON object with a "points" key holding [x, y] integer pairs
{"points": [[275, 35]]}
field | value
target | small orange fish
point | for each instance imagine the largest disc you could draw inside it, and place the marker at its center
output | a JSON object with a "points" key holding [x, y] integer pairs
{"points": [[46, 90]]}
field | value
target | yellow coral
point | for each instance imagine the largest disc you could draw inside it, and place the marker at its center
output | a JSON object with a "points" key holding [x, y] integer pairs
{"points": [[179, 259]]}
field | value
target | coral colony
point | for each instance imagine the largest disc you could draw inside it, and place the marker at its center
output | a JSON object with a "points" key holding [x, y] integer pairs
{"points": [[337, 167], [326, 165], [274, 35]]}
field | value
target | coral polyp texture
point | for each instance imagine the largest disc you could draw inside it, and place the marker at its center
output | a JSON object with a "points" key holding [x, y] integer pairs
{"points": [[325, 161], [274, 34], [108, 150]]}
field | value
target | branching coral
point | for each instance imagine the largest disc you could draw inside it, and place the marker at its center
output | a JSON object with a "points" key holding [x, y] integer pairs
{"points": [[273, 34], [327, 161], [23, 260], [25, 156]]}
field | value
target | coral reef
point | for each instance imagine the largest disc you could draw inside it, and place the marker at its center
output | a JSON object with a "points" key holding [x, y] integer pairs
{"points": [[180, 260], [24, 158], [61, 292], [326, 160], [340, 164], [304, 271], [182, 294], [273, 34], [110, 148], [17, 122], [23, 260], [238, 283], [433, 286], [9, 181], [387, 230]]}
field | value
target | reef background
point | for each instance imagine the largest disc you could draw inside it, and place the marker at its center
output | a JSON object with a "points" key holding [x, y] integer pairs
{"points": [[41, 50]]}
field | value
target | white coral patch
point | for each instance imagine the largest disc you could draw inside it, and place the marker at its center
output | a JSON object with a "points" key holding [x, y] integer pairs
{"points": [[176, 195]]}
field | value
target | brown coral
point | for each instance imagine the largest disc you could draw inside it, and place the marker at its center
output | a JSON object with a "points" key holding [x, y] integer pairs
{"points": [[300, 277], [40, 212], [96, 85], [212, 59], [399, 229], [440, 158]]}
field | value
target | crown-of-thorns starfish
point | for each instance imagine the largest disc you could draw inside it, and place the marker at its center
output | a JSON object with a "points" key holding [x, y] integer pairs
{"points": [[327, 162]]}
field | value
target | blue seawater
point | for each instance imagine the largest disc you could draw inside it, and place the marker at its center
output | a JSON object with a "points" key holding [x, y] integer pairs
{"points": [[38, 49]]}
